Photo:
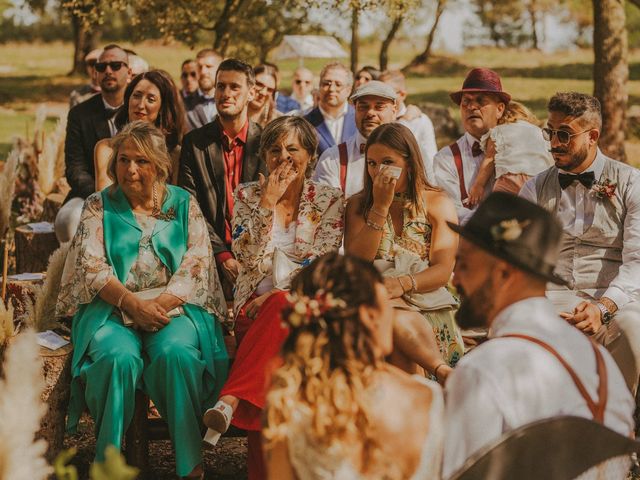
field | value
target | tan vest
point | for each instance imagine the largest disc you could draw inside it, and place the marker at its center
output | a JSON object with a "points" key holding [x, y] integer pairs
{"points": [[591, 260]]}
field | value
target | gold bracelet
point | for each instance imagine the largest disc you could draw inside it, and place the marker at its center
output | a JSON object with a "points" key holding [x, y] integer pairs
{"points": [[401, 285], [119, 302], [375, 226], [375, 212], [414, 284]]}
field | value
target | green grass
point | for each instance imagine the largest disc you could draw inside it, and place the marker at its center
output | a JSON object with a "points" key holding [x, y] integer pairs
{"points": [[34, 73]]}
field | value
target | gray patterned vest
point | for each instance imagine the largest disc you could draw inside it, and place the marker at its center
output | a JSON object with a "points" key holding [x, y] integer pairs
{"points": [[591, 260]]}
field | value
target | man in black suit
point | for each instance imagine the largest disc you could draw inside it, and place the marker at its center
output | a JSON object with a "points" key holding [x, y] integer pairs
{"points": [[87, 123], [220, 155], [201, 107]]}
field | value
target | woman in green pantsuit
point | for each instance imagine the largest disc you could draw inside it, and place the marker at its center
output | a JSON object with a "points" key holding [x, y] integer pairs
{"points": [[142, 235]]}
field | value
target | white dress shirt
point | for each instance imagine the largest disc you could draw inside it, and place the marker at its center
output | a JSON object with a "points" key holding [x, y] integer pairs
{"points": [[335, 124], [328, 167], [509, 382], [112, 119], [422, 129], [447, 175], [575, 212]]}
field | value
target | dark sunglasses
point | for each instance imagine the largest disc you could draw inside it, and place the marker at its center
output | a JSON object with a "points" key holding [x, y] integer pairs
{"points": [[563, 136], [91, 63], [114, 66], [189, 74]]}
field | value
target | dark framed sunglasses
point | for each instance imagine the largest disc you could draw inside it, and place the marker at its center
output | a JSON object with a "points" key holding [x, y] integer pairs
{"points": [[563, 136], [189, 74], [114, 66]]}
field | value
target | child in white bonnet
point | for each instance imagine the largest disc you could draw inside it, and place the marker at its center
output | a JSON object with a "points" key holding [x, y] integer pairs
{"points": [[514, 151]]}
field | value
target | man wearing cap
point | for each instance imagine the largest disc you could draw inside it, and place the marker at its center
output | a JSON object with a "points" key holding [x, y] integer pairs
{"points": [[85, 92], [534, 365], [333, 118], [343, 166], [597, 201], [482, 103]]}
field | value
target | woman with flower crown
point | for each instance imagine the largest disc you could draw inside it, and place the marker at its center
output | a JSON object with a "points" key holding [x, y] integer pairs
{"points": [[280, 224], [146, 302], [398, 222], [332, 408]]}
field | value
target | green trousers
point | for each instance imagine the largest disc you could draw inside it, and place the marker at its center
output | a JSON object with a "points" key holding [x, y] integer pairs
{"points": [[167, 365]]}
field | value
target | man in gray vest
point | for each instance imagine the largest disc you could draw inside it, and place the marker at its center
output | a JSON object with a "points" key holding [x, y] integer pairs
{"points": [[597, 201]]}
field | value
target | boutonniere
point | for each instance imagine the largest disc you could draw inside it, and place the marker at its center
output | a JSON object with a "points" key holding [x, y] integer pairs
{"points": [[508, 230], [604, 189], [167, 216]]}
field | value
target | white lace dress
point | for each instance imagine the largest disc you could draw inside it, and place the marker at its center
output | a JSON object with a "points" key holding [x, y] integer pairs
{"points": [[311, 461]]}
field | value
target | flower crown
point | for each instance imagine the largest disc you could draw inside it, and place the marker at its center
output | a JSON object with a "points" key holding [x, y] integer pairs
{"points": [[303, 309]]}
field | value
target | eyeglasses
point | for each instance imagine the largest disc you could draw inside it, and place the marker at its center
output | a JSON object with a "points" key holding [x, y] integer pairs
{"points": [[563, 136], [261, 86], [114, 66], [327, 84], [300, 82], [91, 63], [189, 74]]}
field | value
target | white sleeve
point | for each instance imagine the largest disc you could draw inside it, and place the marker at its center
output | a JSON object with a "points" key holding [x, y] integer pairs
{"points": [[430, 145], [328, 168], [625, 287], [528, 191], [447, 178], [472, 415]]}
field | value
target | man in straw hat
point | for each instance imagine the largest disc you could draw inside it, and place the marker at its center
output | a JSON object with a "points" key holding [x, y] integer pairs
{"points": [[597, 201], [534, 365], [482, 103]]}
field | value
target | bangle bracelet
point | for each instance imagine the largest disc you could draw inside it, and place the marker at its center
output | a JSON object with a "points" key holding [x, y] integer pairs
{"points": [[375, 226], [414, 284], [401, 285], [375, 212], [119, 302]]}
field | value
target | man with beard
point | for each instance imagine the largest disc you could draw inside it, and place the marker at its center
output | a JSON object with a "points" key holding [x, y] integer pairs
{"points": [[343, 166], [597, 201], [482, 103], [219, 156], [333, 118], [534, 365], [201, 107], [87, 123]]}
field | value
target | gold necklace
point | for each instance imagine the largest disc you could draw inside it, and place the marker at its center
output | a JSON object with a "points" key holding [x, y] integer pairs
{"points": [[167, 216]]}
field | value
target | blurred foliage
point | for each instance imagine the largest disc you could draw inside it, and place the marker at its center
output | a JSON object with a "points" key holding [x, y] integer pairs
{"points": [[113, 468]]}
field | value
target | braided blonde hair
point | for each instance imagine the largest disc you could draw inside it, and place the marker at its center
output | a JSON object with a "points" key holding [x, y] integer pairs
{"points": [[329, 359]]}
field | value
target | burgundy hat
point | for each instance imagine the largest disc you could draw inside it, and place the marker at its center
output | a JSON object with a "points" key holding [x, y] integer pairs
{"points": [[481, 80]]}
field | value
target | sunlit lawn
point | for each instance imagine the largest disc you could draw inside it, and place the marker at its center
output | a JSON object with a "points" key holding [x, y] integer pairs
{"points": [[31, 74]]}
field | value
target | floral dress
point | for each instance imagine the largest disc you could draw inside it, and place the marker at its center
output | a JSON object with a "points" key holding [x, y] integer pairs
{"points": [[408, 253]]}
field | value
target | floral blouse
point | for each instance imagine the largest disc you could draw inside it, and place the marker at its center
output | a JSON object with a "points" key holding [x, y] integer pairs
{"points": [[87, 271], [415, 237], [319, 229]]}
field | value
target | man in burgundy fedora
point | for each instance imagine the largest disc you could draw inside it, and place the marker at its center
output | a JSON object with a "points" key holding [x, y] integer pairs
{"points": [[482, 103]]}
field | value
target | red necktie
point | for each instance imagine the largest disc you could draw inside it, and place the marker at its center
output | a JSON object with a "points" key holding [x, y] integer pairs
{"points": [[476, 151]]}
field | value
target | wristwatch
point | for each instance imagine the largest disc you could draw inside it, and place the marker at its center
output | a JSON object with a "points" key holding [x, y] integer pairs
{"points": [[605, 314]]}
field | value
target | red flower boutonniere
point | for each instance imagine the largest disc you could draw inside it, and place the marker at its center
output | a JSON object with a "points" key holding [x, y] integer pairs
{"points": [[604, 189]]}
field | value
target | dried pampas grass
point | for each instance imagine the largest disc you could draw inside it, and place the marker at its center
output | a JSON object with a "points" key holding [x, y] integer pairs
{"points": [[7, 189], [42, 313], [51, 157], [7, 328], [21, 409]]}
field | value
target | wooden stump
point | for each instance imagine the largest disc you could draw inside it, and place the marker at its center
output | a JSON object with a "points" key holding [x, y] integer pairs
{"points": [[33, 249], [56, 365], [50, 207], [21, 294]]}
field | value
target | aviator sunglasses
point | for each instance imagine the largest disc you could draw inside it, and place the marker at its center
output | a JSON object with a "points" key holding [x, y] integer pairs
{"points": [[115, 66], [563, 136]]}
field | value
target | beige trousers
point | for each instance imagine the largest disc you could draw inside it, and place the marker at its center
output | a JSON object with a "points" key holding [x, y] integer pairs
{"points": [[621, 338]]}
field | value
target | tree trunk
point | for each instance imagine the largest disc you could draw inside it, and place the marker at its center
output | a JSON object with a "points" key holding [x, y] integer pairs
{"points": [[534, 20], [386, 43], [84, 40], [423, 58], [611, 73], [355, 38], [33, 249]]}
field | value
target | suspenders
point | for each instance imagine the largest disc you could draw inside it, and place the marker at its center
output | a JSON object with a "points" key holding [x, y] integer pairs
{"points": [[457, 157], [597, 408], [344, 159]]}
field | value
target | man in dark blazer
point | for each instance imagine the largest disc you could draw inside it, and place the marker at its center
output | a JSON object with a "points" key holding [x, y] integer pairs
{"points": [[219, 156], [333, 118], [87, 123]]}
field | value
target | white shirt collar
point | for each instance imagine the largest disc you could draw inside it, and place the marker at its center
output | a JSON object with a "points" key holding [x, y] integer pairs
{"points": [[342, 113], [401, 111], [109, 107], [470, 139], [519, 315]]}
